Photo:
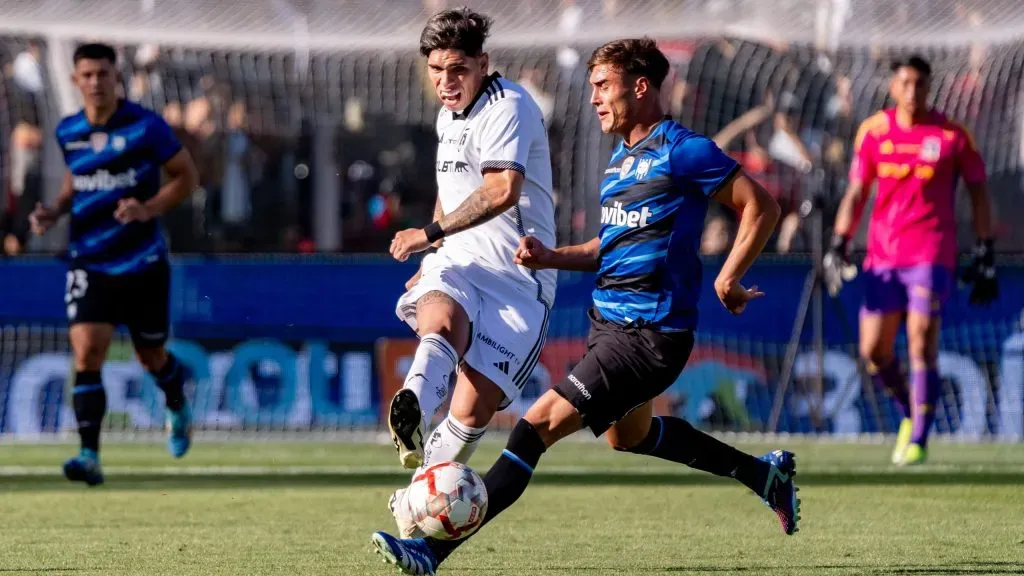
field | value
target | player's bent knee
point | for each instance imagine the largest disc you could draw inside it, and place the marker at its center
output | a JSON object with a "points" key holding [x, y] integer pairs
{"points": [[89, 356], [877, 357], [152, 359], [553, 417], [438, 313], [476, 398]]}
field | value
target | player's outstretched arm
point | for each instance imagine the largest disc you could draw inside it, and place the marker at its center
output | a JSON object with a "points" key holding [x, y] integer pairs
{"points": [[499, 192], [759, 213], [43, 217], [581, 257]]}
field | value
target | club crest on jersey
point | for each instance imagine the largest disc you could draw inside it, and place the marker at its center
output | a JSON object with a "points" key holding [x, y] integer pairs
{"points": [[642, 168], [930, 149], [626, 165], [98, 140], [118, 143]]}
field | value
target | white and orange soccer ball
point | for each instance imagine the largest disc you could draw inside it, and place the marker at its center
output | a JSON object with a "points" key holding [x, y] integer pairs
{"points": [[447, 501]]}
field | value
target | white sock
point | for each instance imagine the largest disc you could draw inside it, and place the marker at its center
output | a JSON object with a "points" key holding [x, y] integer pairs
{"points": [[429, 374], [452, 440]]}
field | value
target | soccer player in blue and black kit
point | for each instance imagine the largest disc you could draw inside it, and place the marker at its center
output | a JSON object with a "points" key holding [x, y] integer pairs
{"points": [[653, 204], [118, 273]]}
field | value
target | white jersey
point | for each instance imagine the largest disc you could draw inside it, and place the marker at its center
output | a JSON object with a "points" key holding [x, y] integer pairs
{"points": [[503, 128]]}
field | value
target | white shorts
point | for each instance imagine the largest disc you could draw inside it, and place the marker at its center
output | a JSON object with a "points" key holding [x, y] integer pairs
{"points": [[508, 323]]}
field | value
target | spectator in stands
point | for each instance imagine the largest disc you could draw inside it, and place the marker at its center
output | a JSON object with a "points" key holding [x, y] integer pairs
{"points": [[779, 168], [28, 69], [236, 191], [25, 185], [202, 134]]}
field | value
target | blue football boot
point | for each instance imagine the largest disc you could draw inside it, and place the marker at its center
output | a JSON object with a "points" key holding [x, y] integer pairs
{"points": [[780, 492]]}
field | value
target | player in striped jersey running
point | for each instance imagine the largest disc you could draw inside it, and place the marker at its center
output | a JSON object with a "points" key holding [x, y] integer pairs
{"points": [[115, 151], [654, 200]]}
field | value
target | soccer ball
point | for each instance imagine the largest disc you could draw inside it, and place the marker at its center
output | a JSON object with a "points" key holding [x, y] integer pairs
{"points": [[447, 501]]}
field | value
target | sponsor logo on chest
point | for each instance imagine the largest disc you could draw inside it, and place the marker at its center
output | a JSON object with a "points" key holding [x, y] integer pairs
{"points": [[616, 216]]}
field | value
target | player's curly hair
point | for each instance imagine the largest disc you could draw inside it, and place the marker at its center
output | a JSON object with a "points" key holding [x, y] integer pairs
{"points": [[456, 29], [633, 57]]}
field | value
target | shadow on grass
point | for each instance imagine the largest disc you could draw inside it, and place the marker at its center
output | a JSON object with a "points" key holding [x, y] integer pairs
{"points": [[967, 568], [136, 481]]}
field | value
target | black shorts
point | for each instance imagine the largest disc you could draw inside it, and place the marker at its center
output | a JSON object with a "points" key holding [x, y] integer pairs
{"points": [[624, 368], [140, 301]]}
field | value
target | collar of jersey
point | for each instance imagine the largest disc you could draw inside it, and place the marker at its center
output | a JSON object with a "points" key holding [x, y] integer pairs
{"points": [[634, 147], [465, 113], [117, 110]]}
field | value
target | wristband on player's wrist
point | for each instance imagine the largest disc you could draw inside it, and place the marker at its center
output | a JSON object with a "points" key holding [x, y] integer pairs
{"points": [[434, 232]]}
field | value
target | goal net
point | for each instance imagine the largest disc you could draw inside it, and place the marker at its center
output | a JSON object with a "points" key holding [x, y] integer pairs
{"points": [[305, 92]]}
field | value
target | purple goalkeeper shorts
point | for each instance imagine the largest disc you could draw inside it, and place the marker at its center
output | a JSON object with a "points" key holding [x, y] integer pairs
{"points": [[922, 289]]}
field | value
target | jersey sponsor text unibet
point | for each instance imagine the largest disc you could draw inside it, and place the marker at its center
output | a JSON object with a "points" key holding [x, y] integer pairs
{"points": [[502, 129]]}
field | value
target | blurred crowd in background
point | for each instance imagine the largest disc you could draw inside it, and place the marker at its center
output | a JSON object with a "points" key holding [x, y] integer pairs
{"points": [[259, 124]]}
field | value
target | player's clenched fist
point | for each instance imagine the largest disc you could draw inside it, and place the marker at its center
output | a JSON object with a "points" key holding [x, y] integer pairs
{"points": [[42, 218], [532, 253], [408, 242], [130, 210], [734, 296]]}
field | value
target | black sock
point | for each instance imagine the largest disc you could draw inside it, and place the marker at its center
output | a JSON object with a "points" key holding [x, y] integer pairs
{"points": [[676, 440], [90, 400], [171, 379], [506, 480]]}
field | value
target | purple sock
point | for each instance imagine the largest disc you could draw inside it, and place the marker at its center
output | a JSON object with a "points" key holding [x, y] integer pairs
{"points": [[890, 378], [926, 385]]}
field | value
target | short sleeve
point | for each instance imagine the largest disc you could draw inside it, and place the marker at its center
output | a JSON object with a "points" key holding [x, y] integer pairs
{"points": [[972, 166], [699, 162], [862, 168], [162, 140], [504, 137]]}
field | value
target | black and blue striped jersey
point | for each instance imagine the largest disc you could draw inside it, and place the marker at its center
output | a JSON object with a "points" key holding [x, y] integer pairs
{"points": [[654, 200], [121, 159]]}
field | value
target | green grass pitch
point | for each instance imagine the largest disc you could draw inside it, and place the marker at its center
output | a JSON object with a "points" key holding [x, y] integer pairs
{"points": [[275, 508]]}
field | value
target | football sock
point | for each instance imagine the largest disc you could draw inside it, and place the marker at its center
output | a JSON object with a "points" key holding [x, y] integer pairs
{"points": [[505, 481], [90, 401], [171, 379], [430, 372], [676, 440], [927, 386], [451, 440], [890, 379]]}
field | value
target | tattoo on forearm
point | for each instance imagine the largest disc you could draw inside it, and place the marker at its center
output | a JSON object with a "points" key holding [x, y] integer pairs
{"points": [[481, 206]]}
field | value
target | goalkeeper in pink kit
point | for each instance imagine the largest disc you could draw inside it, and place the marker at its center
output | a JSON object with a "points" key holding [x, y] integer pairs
{"points": [[916, 156]]}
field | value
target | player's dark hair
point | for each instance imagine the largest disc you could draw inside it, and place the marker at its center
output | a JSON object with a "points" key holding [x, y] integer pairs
{"points": [[95, 51], [914, 62], [633, 57], [456, 29]]}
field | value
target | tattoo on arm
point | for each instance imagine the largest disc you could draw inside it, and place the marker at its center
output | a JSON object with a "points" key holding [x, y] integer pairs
{"points": [[482, 205]]}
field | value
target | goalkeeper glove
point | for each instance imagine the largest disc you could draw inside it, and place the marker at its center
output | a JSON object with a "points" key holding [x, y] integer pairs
{"points": [[981, 274], [836, 266]]}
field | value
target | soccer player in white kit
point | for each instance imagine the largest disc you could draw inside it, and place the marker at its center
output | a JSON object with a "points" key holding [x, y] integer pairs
{"points": [[477, 313]]}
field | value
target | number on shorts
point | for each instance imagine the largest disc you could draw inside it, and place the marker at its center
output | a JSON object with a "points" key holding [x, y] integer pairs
{"points": [[78, 283]]}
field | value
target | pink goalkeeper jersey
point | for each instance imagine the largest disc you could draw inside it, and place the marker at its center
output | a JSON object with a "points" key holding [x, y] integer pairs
{"points": [[917, 168]]}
